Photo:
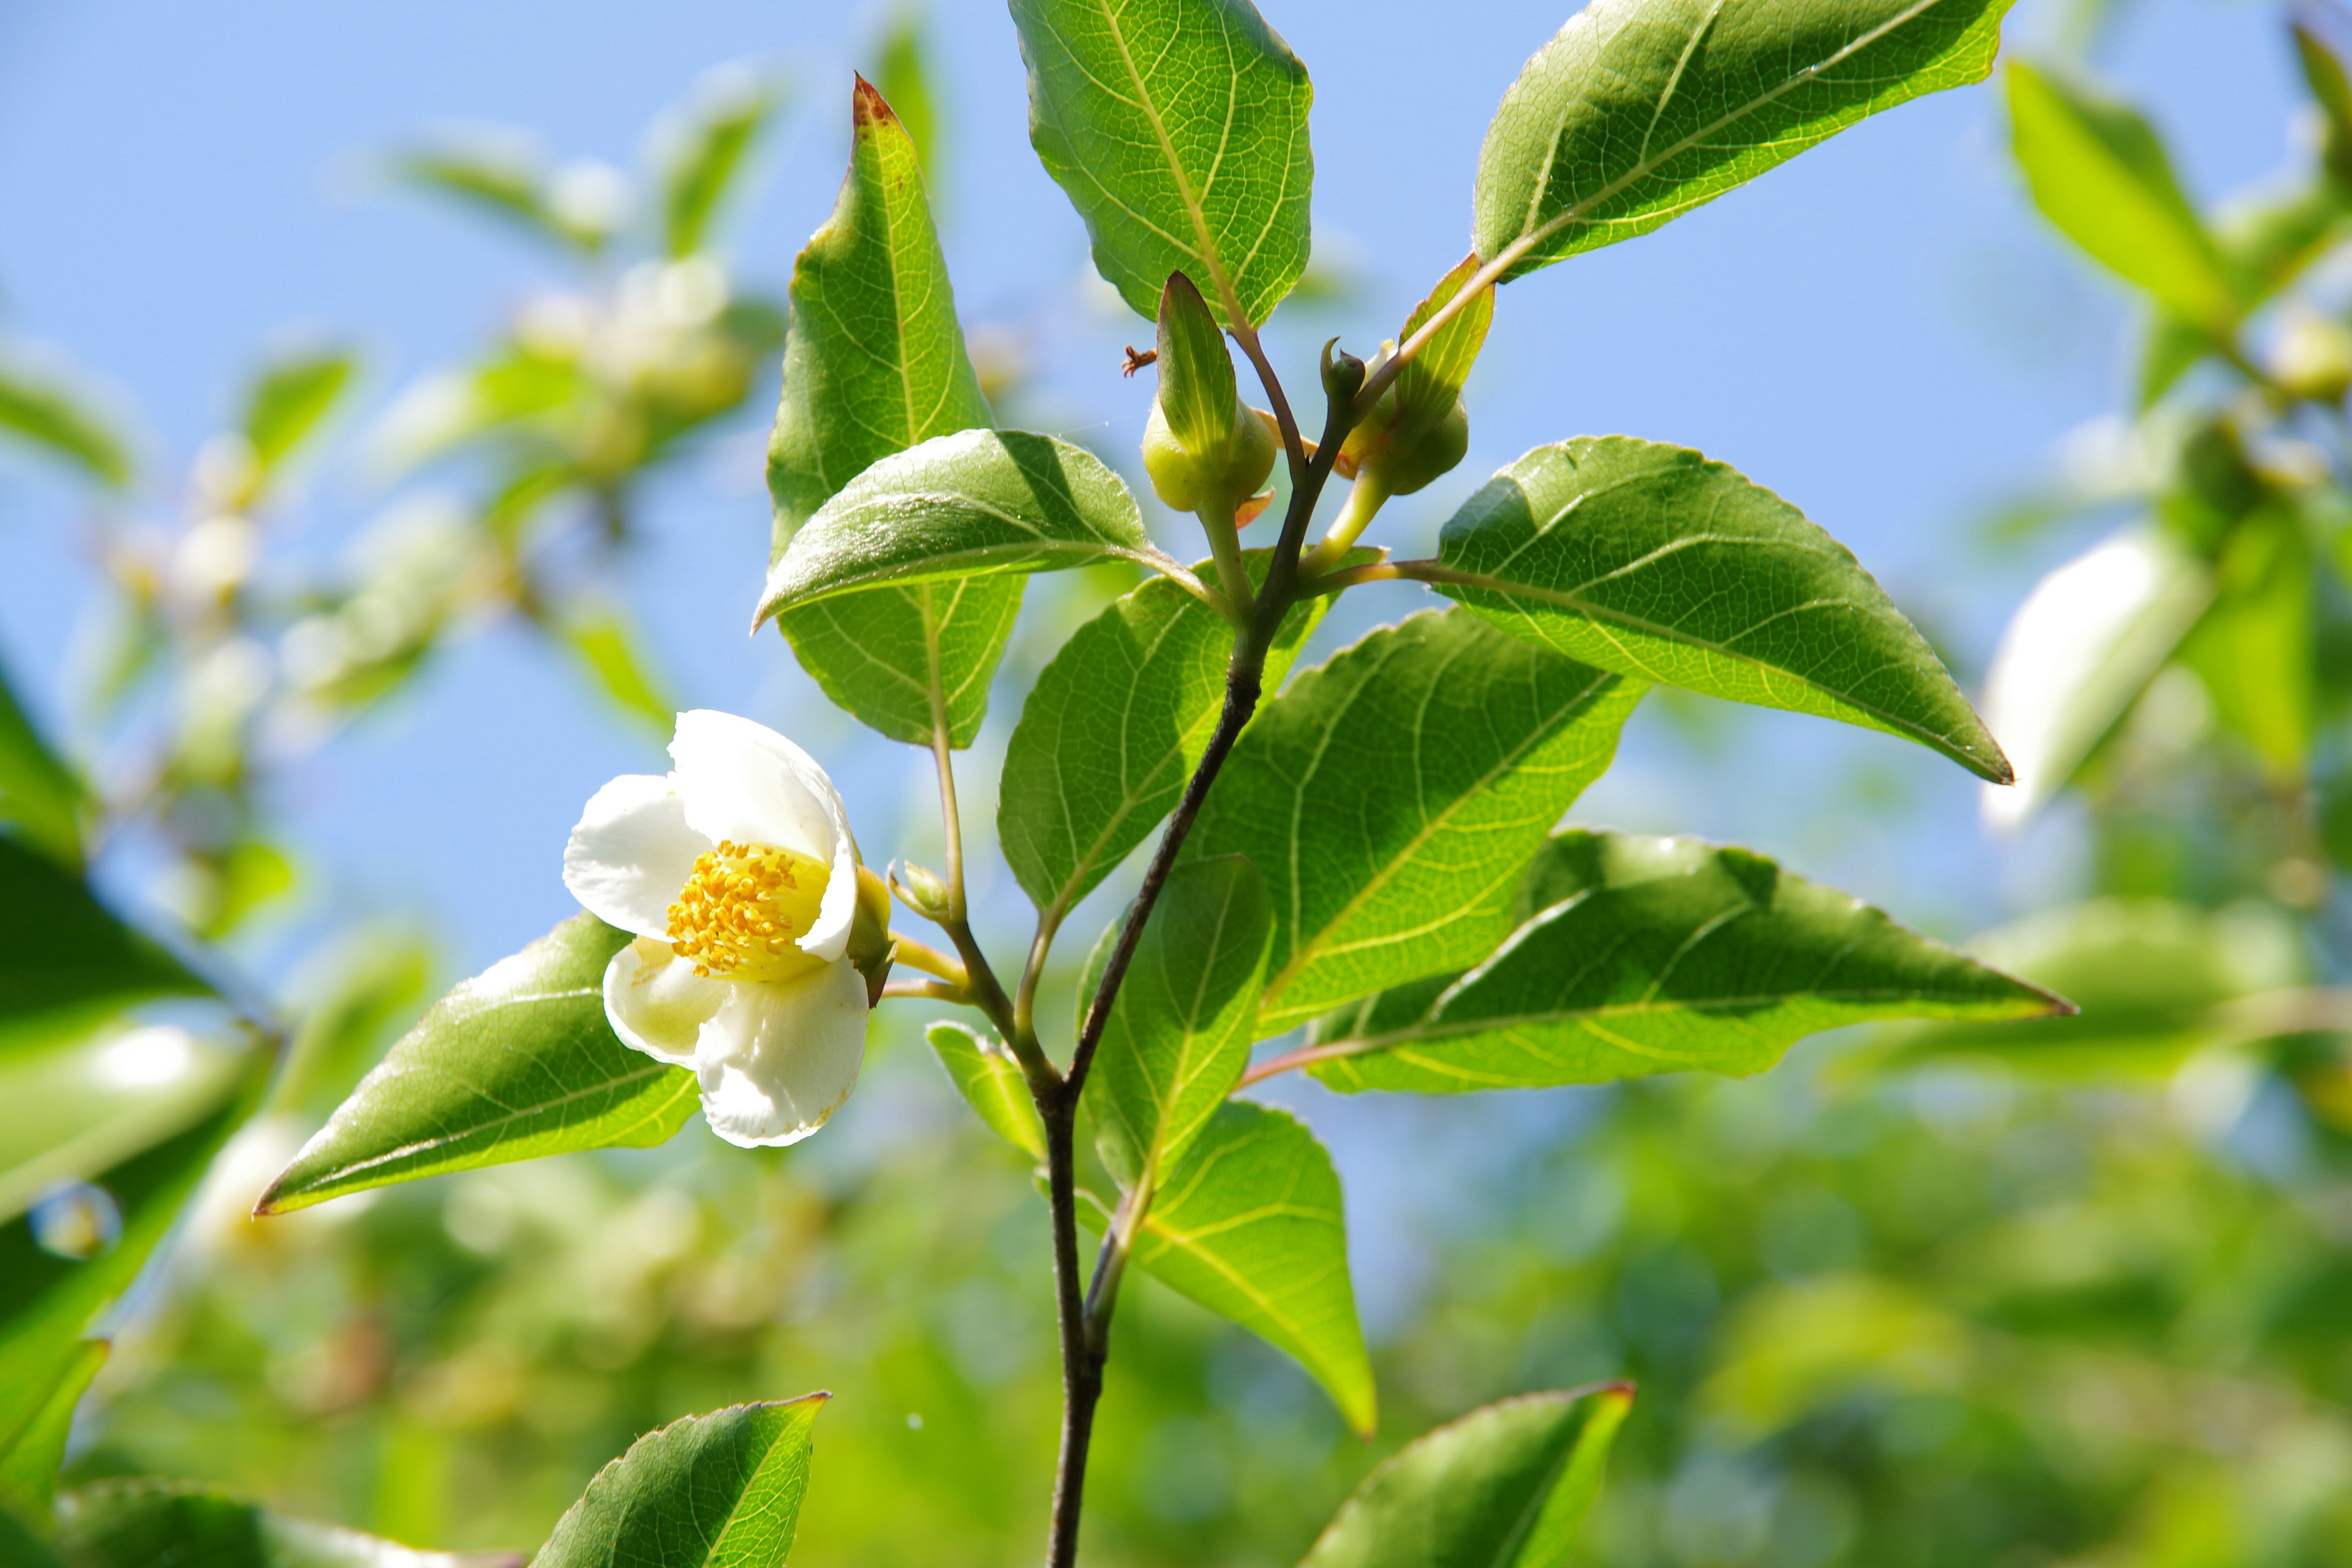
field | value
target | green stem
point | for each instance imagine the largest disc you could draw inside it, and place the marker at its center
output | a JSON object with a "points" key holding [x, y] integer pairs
{"points": [[1364, 503], [1225, 545]]}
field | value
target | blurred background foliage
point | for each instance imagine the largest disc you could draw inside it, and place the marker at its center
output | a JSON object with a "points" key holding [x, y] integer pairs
{"points": [[2072, 1293]]}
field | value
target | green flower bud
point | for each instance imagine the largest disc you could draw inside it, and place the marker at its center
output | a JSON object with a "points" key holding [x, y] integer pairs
{"points": [[921, 888], [1403, 452], [1343, 374], [1203, 448], [1419, 429]]}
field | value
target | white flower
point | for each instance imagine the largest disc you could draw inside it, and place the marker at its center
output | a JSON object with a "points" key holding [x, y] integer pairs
{"points": [[737, 876]]}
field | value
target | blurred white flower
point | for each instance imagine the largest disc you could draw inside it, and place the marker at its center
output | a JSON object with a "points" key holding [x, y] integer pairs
{"points": [[737, 875]]}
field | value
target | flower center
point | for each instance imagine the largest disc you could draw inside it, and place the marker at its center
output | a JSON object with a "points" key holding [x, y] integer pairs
{"points": [[744, 910]]}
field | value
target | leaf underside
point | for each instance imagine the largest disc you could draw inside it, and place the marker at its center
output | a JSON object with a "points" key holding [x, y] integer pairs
{"points": [[722, 1490]]}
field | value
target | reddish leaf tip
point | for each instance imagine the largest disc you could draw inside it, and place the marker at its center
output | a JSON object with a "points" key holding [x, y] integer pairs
{"points": [[869, 107]]}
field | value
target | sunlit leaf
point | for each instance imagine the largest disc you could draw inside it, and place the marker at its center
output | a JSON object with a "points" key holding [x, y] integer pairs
{"points": [[1249, 1223], [1650, 559], [172, 1525], [74, 1107], [1641, 109], [610, 649], [2253, 649], [1178, 128], [722, 1490], [31, 1452], [290, 398], [516, 1063], [2078, 653], [2098, 172], [2155, 981], [707, 154], [976, 504], [1393, 795], [1503, 1487], [1433, 378], [499, 175], [1651, 955], [1113, 729], [1178, 1033], [49, 1299], [42, 408], [874, 363], [990, 1080]]}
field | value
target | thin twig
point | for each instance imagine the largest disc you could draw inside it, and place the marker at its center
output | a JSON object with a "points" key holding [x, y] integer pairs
{"points": [[929, 990]]}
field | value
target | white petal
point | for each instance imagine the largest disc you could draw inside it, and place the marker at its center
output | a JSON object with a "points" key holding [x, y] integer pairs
{"points": [[631, 852], [779, 1059], [658, 1004], [743, 780]]}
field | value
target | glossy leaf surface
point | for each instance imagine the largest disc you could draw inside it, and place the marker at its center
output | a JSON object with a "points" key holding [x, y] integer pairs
{"points": [[1249, 1223], [1178, 128], [1503, 1487], [1393, 795], [31, 1452], [1650, 559], [1650, 955], [722, 1490], [1113, 729], [79, 1104], [990, 1080], [517, 1062], [1641, 109], [976, 504], [1178, 1032]]}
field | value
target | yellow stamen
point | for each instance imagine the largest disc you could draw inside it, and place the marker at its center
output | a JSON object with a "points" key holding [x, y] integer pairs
{"points": [[744, 910]]}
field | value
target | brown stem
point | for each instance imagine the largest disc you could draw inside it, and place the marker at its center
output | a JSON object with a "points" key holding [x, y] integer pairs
{"points": [[1085, 1316]]}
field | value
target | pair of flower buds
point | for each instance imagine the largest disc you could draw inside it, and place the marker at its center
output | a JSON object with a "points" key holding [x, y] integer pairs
{"points": [[1209, 452]]}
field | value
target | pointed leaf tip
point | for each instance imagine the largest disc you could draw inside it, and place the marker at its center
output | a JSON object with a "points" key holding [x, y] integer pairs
{"points": [[867, 106]]}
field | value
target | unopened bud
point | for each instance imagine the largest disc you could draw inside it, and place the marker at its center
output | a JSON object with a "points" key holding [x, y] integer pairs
{"points": [[1203, 448], [921, 888], [1343, 374], [1404, 451], [2312, 359]]}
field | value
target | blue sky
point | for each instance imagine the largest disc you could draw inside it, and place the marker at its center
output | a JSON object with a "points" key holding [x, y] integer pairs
{"points": [[1881, 330]]}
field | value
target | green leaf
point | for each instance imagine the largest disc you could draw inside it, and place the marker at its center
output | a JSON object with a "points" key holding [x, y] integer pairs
{"points": [[908, 661], [1503, 1487], [1652, 561], [905, 79], [517, 1062], [144, 1523], [48, 1301], [40, 797], [1641, 109], [2170, 349], [1249, 1224], [45, 409], [990, 1080], [2079, 652], [2274, 236], [1178, 1033], [74, 1107], [290, 398], [722, 1490], [498, 176], [2098, 172], [607, 646], [351, 1001], [32, 1452], [2155, 981], [874, 363], [61, 950], [1391, 798], [702, 164], [975, 504], [874, 359], [1178, 128], [2255, 647], [1650, 955], [1113, 729], [2331, 90], [1431, 381]]}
